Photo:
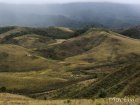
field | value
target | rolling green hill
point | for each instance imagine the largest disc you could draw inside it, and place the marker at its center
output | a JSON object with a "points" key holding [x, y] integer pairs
{"points": [[98, 44], [106, 53], [16, 58], [57, 62], [120, 83], [33, 37]]}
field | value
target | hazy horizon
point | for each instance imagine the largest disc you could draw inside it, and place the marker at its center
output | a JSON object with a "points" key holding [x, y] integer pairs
{"points": [[70, 14], [66, 1]]}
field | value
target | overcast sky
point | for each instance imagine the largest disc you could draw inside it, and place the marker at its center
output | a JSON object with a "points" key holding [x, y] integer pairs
{"points": [[67, 1]]}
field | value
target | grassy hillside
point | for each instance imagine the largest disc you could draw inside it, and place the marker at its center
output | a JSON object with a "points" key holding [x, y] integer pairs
{"points": [[54, 32], [122, 82], [33, 37], [32, 41], [107, 52], [98, 44], [93, 63], [118, 83], [16, 58]]}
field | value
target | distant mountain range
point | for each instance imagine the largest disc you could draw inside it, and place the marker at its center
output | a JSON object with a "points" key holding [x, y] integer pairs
{"points": [[70, 15]]}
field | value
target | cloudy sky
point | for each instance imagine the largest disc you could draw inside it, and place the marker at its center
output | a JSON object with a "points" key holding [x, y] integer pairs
{"points": [[66, 1]]}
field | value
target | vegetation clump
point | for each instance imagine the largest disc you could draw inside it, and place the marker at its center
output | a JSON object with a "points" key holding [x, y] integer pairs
{"points": [[3, 89]]}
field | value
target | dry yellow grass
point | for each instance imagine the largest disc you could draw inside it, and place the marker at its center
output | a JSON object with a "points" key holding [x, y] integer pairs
{"points": [[17, 58], [112, 47], [51, 72], [64, 29], [58, 41], [10, 99]]}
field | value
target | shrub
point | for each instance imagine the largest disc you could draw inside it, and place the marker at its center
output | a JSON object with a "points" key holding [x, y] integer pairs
{"points": [[45, 98], [102, 93], [5, 29], [3, 89], [68, 101]]}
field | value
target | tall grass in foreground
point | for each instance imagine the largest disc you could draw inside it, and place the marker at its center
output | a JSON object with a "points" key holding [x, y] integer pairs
{"points": [[72, 102], [11, 99]]}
